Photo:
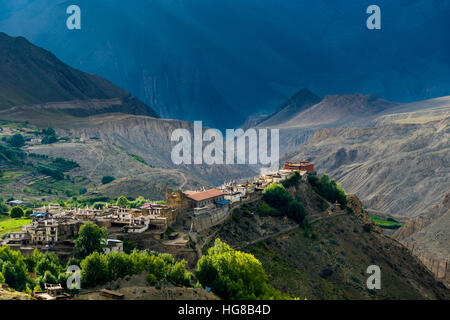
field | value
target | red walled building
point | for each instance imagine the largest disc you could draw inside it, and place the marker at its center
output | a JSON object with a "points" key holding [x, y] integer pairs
{"points": [[300, 166]]}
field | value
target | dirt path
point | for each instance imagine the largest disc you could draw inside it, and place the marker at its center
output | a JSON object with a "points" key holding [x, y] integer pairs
{"points": [[185, 180], [276, 234], [102, 159], [327, 217]]}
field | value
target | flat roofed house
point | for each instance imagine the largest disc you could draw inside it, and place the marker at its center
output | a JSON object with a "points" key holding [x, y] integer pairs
{"points": [[205, 198], [299, 166]]}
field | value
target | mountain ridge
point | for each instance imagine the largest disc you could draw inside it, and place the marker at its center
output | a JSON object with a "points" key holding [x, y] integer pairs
{"points": [[30, 75]]}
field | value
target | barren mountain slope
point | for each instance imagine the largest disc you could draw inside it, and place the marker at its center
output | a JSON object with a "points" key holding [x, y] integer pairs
{"points": [[400, 169], [428, 237], [133, 177], [30, 75], [299, 102], [336, 110], [145, 136]]}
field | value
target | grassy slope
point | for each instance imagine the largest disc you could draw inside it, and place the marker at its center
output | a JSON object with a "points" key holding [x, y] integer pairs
{"points": [[7, 224], [383, 223]]}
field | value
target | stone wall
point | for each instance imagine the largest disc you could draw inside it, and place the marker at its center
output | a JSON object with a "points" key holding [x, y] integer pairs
{"points": [[214, 217]]}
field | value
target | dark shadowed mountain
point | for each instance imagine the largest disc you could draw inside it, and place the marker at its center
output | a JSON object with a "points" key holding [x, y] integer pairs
{"points": [[31, 76], [221, 61]]}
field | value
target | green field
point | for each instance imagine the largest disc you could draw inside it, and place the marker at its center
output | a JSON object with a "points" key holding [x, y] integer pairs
{"points": [[7, 224], [386, 223], [11, 176]]}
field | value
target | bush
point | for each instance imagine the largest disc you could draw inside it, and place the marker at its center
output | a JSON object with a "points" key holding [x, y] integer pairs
{"points": [[3, 207], [292, 180], [233, 274], [123, 202], [16, 212], [98, 268], [14, 269], [265, 210], [49, 171], [178, 275], [49, 136], [94, 270], [276, 195], [16, 141], [367, 227], [296, 211], [107, 179], [2, 278], [328, 189], [151, 279], [48, 278]]}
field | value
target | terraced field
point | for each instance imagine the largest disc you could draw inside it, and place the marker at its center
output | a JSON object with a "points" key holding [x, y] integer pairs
{"points": [[7, 224]]}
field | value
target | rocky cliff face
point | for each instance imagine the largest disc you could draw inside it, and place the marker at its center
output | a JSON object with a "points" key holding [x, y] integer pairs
{"points": [[151, 138], [400, 169], [428, 237]]}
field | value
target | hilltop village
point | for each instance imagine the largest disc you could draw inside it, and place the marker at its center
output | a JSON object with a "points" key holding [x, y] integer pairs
{"points": [[54, 228]]}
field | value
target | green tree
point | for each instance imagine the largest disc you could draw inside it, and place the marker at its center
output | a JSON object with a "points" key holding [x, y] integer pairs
{"points": [[292, 180], [296, 211], [94, 269], [328, 189], [49, 136], [16, 212], [119, 265], [2, 278], [232, 274], [276, 195], [107, 179], [178, 274], [91, 238], [123, 202], [3, 207], [16, 141]]}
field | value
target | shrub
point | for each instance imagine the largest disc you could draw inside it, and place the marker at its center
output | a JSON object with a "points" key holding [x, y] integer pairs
{"points": [[94, 269], [296, 211], [48, 278], [123, 202], [276, 195], [178, 275], [292, 180], [265, 210], [3, 207], [233, 274], [16, 212], [151, 279], [107, 179], [328, 189], [16, 141], [367, 227], [14, 269]]}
